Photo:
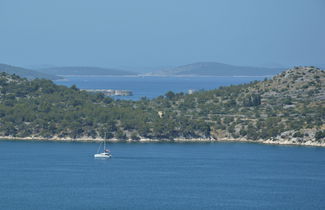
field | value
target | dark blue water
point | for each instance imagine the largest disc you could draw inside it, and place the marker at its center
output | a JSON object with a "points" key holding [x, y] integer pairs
{"points": [[153, 86], [57, 175]]}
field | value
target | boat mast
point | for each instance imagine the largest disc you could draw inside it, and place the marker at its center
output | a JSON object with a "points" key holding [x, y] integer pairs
{"points": [[105, 142], [99, 147]]}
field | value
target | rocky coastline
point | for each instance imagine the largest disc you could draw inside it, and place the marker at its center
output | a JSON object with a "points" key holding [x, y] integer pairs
{"points": [[293, 141]]}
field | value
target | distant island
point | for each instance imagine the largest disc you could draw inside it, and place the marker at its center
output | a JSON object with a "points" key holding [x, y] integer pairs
{"points": [[195, 69], [215, 69], [287, 109], [27, 73], [84, 70]]}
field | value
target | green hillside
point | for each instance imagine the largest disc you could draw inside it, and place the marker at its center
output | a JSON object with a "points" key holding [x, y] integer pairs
{"points": [[288, 107]]}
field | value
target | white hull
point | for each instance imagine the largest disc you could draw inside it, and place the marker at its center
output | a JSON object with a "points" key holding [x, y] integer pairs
{"points": [[103, 155]]}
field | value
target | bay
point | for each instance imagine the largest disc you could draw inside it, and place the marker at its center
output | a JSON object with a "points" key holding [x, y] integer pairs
{"points": [[64, 175], [152, 87]]}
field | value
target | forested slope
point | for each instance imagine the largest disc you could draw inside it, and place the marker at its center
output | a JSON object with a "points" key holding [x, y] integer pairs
{"points": [[288, 106]]}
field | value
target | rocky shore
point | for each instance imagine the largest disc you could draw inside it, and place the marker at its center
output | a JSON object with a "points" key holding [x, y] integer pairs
{"points": [[294, 141]]}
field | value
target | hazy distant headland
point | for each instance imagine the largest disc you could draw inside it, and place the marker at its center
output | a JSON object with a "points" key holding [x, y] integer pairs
{"points": [[86, 70], [194, 69], [215, 69], [27, 73]]}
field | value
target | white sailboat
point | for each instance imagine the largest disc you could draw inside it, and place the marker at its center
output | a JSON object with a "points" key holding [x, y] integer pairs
{"points": [[105, 154]]}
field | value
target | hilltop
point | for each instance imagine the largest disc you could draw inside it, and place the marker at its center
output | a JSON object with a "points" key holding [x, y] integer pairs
{"points": [[84, 70], [216, 69], [27, 73], [287, 109]]}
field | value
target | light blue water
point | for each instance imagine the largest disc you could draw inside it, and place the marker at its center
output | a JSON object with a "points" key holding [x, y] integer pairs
{"points": [[57, 175], [153, 86]]}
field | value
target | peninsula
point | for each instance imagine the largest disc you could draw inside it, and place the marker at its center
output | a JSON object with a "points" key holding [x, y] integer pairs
{"points": [[110, 92], [286, 109]]}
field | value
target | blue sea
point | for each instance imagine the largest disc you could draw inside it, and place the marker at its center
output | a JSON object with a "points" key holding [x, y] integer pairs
{"points": [[152, 87], [64, 175]]}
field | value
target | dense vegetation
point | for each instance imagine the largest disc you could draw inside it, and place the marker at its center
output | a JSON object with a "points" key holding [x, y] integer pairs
{"points": [[290, 105]]}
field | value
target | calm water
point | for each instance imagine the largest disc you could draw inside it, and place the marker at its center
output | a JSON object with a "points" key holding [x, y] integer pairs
{"points": [[154, 86], [54, 175]]}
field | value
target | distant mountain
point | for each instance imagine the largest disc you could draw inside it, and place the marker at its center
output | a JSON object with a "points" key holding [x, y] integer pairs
{"points": [[27, 73], [85, 70], [216, 69]]}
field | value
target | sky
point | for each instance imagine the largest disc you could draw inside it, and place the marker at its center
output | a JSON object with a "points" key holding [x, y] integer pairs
{"points": [[151, 34]]}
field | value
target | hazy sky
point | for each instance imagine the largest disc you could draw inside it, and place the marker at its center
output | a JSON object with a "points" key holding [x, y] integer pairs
{"points": [[136, 33]]}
